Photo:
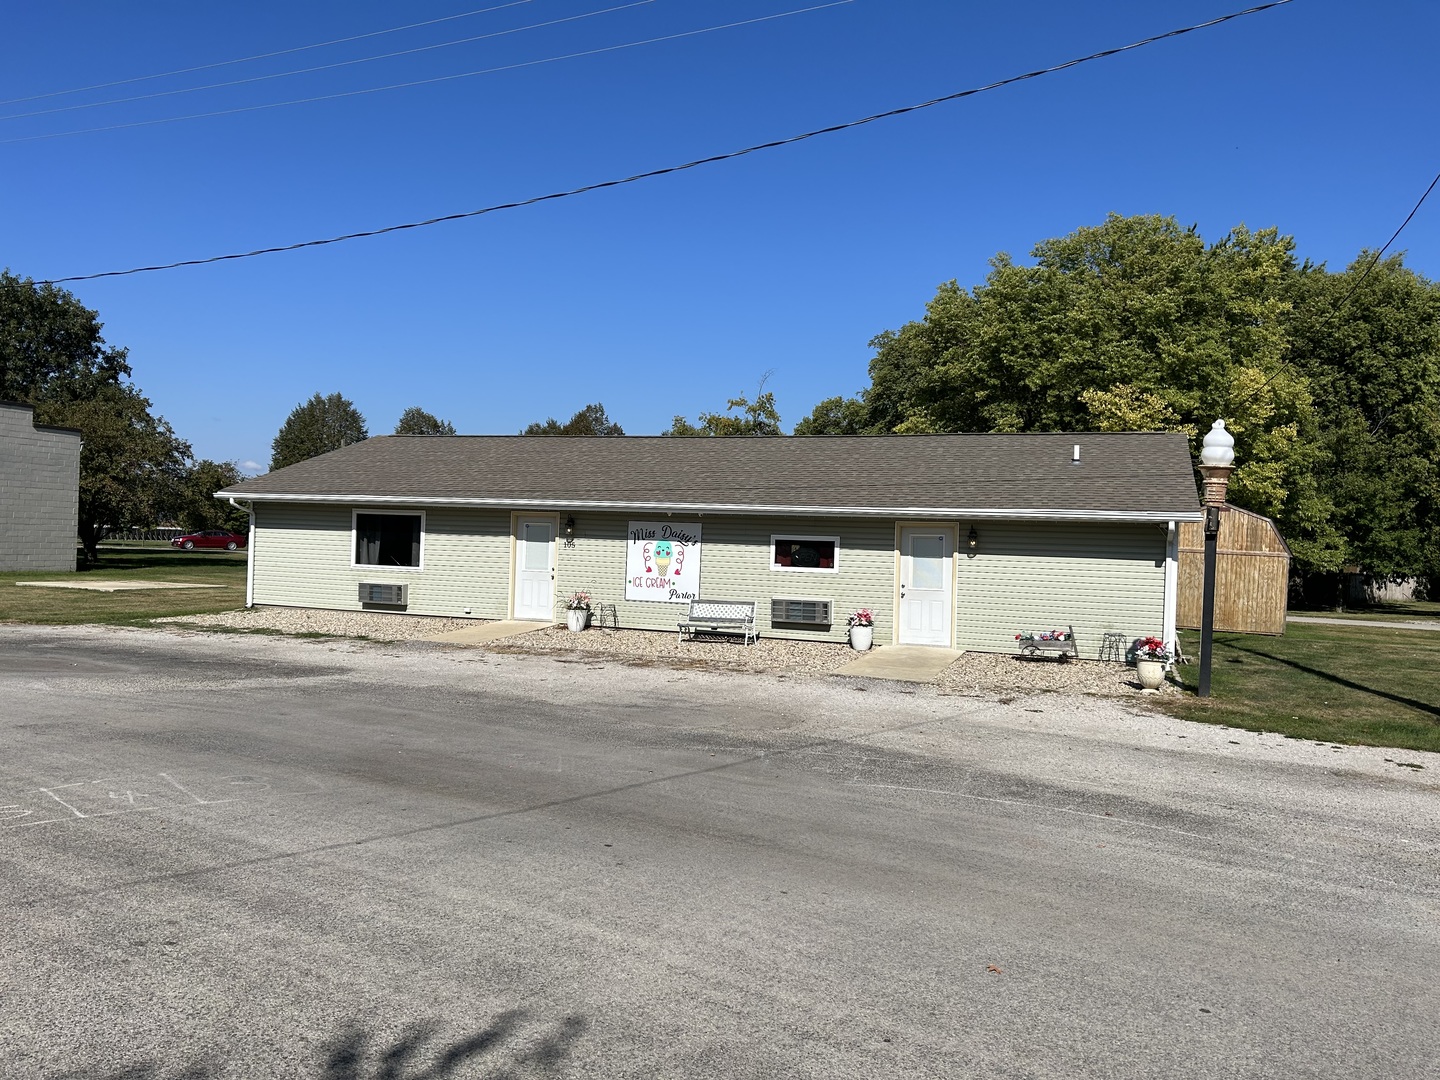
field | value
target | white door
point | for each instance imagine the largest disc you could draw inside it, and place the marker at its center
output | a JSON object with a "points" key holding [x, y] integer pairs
{"points": [[925, 586], [535, 570]]}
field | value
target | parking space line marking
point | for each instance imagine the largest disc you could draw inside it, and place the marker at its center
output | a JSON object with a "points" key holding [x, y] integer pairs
{"points": [[62, 802]]}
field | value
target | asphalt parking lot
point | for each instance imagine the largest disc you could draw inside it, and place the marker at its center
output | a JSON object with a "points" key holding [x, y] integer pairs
{"points": [[240, 856]]}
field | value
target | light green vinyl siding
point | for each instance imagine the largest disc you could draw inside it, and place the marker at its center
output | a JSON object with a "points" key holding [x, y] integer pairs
{"points": [[1046, 576], [735, 565], [303, 556], [1038, 576]]}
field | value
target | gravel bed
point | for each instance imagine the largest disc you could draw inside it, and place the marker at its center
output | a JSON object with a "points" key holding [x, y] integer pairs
{"points": [[663, 647], [972, 673], [1005, 673], [380, 625]]}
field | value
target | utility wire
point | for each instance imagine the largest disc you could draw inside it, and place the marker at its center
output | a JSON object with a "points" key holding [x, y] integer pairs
{"points": [[438, 78], [328, 67], [889, 113], [1337, 308], [263, 56]]}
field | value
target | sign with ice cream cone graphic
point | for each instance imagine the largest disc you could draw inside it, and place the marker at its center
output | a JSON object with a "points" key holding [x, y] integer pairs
{"points": [[662, 561]]}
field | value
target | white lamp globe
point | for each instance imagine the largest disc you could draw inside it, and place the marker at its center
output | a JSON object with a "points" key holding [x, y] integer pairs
{"points": [[1218, 449]]}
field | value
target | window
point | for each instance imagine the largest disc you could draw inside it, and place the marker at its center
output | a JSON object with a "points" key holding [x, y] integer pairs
{"points": [[812, 554], [388, 539]]}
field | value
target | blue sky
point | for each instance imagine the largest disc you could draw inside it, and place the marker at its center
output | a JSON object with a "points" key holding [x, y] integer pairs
{"points": [[672, 294]]}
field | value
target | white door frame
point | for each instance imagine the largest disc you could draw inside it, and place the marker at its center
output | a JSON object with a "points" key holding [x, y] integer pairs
{"points": [[952, 533], [517, 522]]}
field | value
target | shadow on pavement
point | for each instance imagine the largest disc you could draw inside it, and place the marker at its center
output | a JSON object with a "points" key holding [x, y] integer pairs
{"points": [[418, 1054]]}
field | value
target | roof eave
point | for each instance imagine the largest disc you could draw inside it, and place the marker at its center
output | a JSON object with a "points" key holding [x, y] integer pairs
{"points": [[977, 513]]}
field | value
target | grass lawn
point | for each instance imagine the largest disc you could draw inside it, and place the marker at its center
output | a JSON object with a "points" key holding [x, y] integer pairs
{"points": [[157, 563], [1327, 683]]}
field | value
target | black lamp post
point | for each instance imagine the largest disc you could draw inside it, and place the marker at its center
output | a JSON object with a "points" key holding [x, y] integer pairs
{"points": [[1217, 461]]}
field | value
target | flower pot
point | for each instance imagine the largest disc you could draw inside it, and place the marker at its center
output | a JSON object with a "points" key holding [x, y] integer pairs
{"points": [[861, 638], [1151, 673], [576, 618]]}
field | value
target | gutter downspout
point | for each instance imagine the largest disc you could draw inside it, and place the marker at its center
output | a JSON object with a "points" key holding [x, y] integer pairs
{"points": [[1172, 576], [250, 553]]}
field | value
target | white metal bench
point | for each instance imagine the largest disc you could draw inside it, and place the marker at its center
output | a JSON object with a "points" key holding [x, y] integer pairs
{"points": [[720, 617]]}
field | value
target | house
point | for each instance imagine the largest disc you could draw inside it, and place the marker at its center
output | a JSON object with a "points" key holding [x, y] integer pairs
{"points": [[951, 540], [39, 492]]}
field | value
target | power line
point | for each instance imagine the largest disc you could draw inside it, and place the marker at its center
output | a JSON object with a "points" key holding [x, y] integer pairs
{"points": [[584, 189], [263, 56], [1380, 254], [329, 67], [438, 78], [1336, 309]]}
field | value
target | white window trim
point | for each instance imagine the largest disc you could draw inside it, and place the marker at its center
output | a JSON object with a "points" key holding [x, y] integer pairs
{"points": [[775, 537], [373, 567]]}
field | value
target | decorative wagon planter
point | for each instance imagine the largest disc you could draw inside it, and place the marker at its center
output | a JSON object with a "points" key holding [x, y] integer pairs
{"points": [[1058, 643]]}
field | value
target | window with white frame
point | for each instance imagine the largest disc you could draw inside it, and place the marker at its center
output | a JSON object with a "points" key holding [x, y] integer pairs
{"points": [[805, 554], [393, 540]]}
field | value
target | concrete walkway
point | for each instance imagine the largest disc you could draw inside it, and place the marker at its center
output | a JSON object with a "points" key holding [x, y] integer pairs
{"points": [[901, 663], [484, 633], [116, 585], [1433, 625]]}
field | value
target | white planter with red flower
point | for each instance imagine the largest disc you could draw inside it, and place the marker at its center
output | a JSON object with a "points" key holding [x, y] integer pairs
{"points": [[1151, 656], [1151, 674], [862, 630]]}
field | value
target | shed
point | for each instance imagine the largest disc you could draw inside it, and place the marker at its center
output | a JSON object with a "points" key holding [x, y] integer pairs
{"points": [[1252, 574]]}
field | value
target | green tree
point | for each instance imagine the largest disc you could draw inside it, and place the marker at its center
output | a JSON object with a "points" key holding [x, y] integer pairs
{"points": [[591, 420], [416, 421], [132, 464], [837, 416], [316, 427], [1135, 324], [50, 345], [1374, 369], [199, 508], [52, 356], [741, 417]]}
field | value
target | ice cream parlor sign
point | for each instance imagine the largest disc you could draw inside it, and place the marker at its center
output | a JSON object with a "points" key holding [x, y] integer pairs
{"points": [[662, 562]]}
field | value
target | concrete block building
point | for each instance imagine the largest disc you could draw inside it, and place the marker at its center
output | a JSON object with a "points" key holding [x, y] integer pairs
{"points": [[39, 492]]}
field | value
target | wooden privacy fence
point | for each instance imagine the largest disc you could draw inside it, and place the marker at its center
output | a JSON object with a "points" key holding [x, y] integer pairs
{"points": [[1252, 574]]}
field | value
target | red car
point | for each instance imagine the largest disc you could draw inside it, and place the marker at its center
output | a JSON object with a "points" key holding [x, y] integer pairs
{"points": [[211, 538]]}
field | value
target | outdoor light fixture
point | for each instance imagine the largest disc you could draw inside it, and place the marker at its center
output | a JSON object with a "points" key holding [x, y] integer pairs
{"points": [[1217, 462], [973, 539], [1218, 448], [570, 527]]}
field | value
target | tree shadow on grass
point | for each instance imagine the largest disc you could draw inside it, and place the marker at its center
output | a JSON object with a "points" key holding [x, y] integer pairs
{"points": [[515, 1048], [1419, 706], [171, 559]]}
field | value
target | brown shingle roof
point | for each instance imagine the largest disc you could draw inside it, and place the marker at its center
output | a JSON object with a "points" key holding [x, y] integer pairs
{"points": [[1120, 474]]}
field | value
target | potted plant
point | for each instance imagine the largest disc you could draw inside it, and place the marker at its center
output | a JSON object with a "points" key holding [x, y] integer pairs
{"points": [[577, 611], [862, 629], [1151, 656]]}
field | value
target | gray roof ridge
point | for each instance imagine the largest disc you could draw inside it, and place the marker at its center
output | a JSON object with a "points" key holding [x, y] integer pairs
{"points": [[732, 438]]}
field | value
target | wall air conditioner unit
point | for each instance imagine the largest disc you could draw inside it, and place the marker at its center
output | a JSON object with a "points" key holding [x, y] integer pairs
{"points": [[800, 611], [389, 595]]}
